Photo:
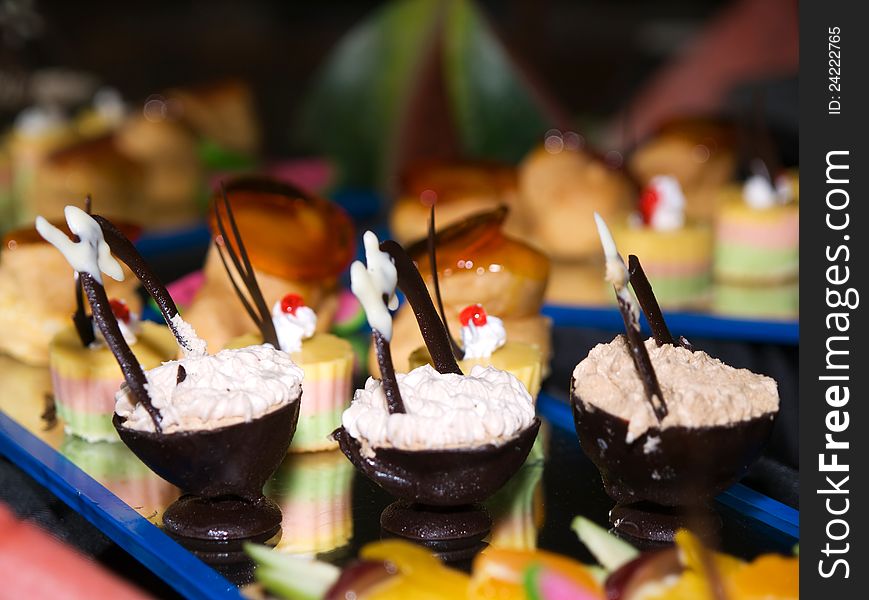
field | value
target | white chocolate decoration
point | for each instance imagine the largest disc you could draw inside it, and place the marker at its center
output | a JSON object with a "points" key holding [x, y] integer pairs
{"points": [[616, 271], [443, 410], [232, 386], [91, 254], [700, 390], [372, 282], [293, 327]]}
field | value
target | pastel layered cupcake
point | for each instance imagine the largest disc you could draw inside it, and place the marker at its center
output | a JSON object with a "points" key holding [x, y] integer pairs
{"points": [[327, 362], [677, 254], [314, 493], [86, 378], [774, 301], [758, 233], [484, 343]]}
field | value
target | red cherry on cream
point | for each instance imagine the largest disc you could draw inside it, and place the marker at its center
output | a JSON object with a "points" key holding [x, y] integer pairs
{"points": [[120, 310], [475, 313], [290, 303], [649, 200]]}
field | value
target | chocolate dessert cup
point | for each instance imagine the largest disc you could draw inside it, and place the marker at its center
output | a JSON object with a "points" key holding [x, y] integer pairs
{"points": [[672, 484], [453, 477], [221, 473], [439, 491]]}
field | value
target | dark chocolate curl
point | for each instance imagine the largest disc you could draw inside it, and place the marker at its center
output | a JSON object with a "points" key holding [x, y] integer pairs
{"points": [[80, 319], [642, 362], [259, 312], [430, 325], [648, 302], [124, 250], [394, 403], [458, 352], [108, 324]]}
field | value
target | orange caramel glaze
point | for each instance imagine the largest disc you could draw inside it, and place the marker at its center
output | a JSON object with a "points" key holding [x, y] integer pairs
{"points": [[288, 233], [480, 243]]}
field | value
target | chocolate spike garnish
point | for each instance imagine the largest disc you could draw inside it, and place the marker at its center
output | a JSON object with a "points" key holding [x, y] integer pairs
{"points": [[261, 316], [394, 403], [182, 374], [108, 324], [617, 274], [430, 325], [80, 319], [458, 352], [126, 252], [648, 302]]}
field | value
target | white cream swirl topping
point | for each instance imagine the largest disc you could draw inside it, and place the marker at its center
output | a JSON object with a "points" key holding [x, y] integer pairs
{"points": [[482, 334], [226, 388], [699, 390], [488, 406], [293, 321]]}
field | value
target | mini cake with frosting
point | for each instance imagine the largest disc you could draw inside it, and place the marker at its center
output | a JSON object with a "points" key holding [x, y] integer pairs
{"points": [[327, 363], [677, 254], [757, 235], [86, 378], [296, 243], [700, 391], [444, 411], [36, 298], [478, 262], [701, 153], [484, 343]]}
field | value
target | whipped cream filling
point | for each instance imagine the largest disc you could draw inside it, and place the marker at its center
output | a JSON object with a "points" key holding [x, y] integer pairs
{"points": [[292, 328], [443, 411], [480, 341], [226, 388], [699, 390], [192, 345]]}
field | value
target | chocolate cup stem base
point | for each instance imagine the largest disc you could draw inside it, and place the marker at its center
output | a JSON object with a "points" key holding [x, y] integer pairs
{"points": [[454, 534], [654, 525], [232, 522], [222, 518]]}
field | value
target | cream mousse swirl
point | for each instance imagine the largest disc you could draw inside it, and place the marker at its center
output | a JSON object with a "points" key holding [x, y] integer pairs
{"points": [[443, 411], [218, 390], [700, 391]]}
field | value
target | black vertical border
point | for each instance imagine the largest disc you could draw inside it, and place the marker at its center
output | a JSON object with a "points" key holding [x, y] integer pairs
{"points": [[821, 133]]}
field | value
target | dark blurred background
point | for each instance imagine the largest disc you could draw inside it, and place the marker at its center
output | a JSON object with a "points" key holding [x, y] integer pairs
{"points": [[590, 56]]}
